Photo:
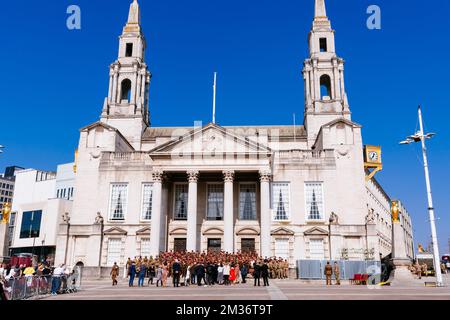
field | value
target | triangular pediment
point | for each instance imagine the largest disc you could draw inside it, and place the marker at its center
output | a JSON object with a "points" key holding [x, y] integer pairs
{"points": [[210, 139], [115, 231], [342, 121], [143, 231], [315, 231], [98, 124], [282, 232]]}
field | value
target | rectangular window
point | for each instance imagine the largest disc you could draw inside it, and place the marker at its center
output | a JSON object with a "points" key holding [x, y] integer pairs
{"points": [[314, 200], [280, 201], [147, 195], [316, 249], [145, 247], [215, 202], [114, 251], [247, 201], [129, 50], [323, 44], [118, 202], [282, 248], [181, 201], [31, 224]]}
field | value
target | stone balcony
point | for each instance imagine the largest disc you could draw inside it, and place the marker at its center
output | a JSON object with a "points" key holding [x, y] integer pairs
{"points": [[305, 157]]}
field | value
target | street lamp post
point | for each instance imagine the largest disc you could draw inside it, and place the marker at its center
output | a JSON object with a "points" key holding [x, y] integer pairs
{"points": [[421, 137]]}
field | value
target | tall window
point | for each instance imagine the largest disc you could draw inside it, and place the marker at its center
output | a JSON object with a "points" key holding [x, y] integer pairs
{"points": [[147, 193], [215, 202], [126, 90], [31, 224], [114, 251], [314, 200], [145, 247], [316, 249], [247, 201], [325, 86], [280, 201], [181, 201], [282, 248], [118, 203]]}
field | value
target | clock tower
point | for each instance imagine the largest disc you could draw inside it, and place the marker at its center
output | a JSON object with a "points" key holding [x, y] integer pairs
{"points": [[323, 73]]}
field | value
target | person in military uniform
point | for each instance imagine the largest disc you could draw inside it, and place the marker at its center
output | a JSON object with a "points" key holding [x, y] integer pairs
{"points": [[271, 273], [425, 269], [280, 269], [337, 273], [328, 273], [418, 270], [285, 269], [114, 273]]}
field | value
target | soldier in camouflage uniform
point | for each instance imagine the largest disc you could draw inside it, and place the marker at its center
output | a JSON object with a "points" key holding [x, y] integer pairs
{"points": [[285, 269]]}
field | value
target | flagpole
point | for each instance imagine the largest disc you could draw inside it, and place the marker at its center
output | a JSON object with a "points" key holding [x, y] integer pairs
{"points": [[214, 97]]}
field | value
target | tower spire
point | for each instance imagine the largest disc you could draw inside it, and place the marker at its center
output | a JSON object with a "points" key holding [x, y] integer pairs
{"points": [[134, 18], [321, 21], [135, 15], [320, 10]]}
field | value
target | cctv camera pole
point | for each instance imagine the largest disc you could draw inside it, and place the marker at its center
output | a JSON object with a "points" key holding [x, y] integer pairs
{"points": [[437, 265]]}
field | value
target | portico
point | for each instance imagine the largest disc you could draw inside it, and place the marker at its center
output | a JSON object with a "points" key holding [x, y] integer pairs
{"points": [[205, 208]]}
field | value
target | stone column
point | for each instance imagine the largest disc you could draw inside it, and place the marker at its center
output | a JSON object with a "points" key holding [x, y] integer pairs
{"points": [[228, 234], [156, 213], [191, 242], [265, 213]]}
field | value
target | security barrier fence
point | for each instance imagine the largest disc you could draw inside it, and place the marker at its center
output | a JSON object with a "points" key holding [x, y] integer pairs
{"points": [[315, 269], [30, 287]]}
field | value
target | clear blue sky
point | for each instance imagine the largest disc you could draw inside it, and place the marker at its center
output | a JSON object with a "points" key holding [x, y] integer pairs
{"points": [[54, 80]]}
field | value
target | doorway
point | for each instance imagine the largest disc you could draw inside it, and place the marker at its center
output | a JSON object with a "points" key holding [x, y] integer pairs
{"points": [[248, 245], [179, 245], [214, 245]]}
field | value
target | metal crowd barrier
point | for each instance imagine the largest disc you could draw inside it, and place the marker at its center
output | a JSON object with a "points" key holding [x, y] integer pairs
{"points": [[314, 269], [29, 287]]}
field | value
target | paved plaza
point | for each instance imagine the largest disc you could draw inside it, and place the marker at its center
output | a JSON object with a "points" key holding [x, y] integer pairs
{"points": [[278, 290]]}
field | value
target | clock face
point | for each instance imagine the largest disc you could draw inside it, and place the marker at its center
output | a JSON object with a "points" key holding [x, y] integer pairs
{"points": [[373, 156]]}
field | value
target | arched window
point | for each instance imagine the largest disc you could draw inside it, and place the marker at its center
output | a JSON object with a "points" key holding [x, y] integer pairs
{"points": [[126, 90], [325, 86]]}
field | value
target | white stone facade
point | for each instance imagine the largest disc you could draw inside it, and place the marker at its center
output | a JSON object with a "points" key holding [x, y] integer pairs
{"points": [[297, 192], [35, 199]]}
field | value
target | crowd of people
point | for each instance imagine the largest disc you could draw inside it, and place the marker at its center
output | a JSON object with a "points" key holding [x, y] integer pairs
{"points": [[422, 269], [206, 268], [56, 277]]}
